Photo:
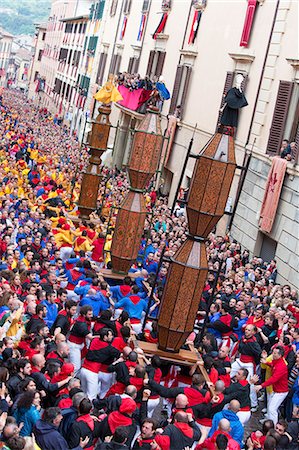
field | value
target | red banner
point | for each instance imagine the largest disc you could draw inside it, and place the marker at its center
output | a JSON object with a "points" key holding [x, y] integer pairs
{"points": [[272, 193], [248, 23]]}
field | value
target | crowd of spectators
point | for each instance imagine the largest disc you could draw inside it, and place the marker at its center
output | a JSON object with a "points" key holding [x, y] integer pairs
{"points": [[71, 375]]}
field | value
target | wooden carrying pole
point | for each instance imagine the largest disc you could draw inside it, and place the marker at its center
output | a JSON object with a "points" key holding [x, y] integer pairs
{"points": [[202, 369]]}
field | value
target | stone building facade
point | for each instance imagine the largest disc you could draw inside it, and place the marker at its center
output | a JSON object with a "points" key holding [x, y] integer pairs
{"points": [[199, 47]]}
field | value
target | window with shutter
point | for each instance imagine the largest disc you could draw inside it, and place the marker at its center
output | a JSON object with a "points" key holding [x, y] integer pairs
{"points": [[127, 6], [133, 65], [92, 45], [296, 150], [70, 57], [63, 54], [176, 88], [100, 10], [113, 8], [112, 64], [85, 43], [130, 65], [227, 86], [101, 68], [75, 57], [180, 88], [117, 64], [67, 92], [57, 85], [91, 11], [279, 117], [136, 65], [145, 5], [160, 64], [292, 122], [182, 100], [244, 83], [150, 62]]}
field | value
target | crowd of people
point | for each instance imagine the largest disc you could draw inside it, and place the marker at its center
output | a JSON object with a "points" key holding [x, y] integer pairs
{"points": [[71, 373]]}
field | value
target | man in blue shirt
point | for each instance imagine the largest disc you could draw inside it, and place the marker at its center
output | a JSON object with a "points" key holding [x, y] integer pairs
{"points": [[96, 300], [135, 306], [52, 308]]}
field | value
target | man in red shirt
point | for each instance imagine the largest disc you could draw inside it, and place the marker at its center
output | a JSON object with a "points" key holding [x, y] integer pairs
{"points": [[278, 381], [257, 319]]}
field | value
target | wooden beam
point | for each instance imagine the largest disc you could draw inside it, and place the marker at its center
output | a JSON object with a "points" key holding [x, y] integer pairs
{"points": [[202, 368], [184, 357]]}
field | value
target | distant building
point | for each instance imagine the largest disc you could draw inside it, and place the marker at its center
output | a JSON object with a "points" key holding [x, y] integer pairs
{"points": [[55, 50], [6, 40], [18, 69], [36, 82]]}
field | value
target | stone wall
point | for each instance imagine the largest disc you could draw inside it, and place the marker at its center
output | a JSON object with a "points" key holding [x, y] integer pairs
{"points": [[285, 230]]}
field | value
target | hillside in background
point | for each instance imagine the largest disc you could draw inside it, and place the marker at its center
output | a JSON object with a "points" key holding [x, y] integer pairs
{"points": [[19, 16]]}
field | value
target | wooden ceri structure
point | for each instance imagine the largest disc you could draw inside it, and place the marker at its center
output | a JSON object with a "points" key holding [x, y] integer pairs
{"points": [[97, 143], [209, 190], [143, 163]]}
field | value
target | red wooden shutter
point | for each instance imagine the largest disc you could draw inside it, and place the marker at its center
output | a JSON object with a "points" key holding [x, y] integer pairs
{"points": [[150, 62], [279, 116], [251, 7], [176, 88], [160, 64], [227, 86], [188, 70]]}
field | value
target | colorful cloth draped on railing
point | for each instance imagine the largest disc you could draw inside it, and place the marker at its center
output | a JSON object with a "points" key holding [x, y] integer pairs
{"points": [[133, 99]]}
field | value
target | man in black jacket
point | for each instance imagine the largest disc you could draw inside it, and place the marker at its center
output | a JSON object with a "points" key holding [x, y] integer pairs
{"points": [[95, 367], [116, 442], [37, 319], [241, 390], [84, 426], [47, 435], [183, 432], [23, 371], [42, 384], [69, 415], [194, 393]]}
